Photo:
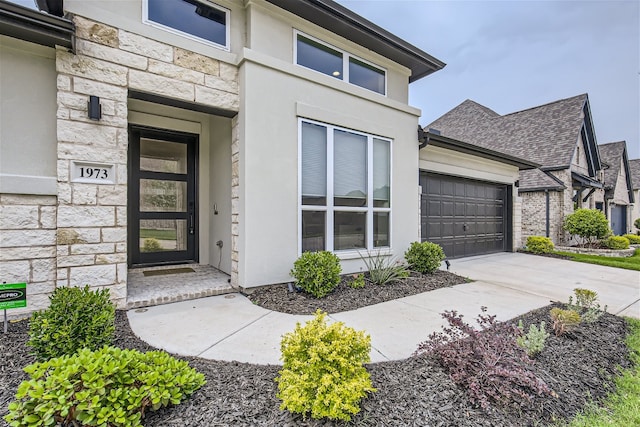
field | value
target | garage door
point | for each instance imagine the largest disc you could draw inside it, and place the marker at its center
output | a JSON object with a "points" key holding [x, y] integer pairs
{"points": [[464, 216]]}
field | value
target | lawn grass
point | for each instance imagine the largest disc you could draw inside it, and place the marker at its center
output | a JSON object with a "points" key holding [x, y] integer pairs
{"points": [[622, 407], [629, 263]]}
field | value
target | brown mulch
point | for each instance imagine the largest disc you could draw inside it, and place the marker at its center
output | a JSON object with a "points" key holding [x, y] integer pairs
{"points": [[578, 367]]}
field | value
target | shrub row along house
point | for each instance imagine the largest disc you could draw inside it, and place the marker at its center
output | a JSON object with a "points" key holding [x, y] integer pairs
{"points": [[228, 137]]}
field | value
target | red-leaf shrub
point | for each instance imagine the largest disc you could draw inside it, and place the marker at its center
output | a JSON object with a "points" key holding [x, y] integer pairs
{"points": [[487, 362]]}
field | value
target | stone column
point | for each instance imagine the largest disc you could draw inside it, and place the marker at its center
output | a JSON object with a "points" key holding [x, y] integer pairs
{"points": [[91, 219]]}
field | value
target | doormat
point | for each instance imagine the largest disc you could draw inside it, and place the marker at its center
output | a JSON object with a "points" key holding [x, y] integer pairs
{"points": [[168, 271]]}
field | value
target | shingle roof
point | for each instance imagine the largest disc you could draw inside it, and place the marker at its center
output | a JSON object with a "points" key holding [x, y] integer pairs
{"points": [[546, 134], [611, 154], [634, 166], [536, 180]]}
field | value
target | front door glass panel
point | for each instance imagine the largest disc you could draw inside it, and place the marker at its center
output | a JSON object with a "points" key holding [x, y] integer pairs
{"points": [[162, 197]]}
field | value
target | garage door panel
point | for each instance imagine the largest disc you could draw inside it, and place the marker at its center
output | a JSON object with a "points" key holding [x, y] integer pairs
{"points": [[463, 216]]}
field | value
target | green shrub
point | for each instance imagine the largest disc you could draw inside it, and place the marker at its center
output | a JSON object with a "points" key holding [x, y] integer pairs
{"points": [[533, 341], [318, 273], [357, 281], [586, 305], [632, 238], [108, 387], [77, 318], [539, 244], [636, 224], [151, 245], [384, 269], [323, 372], [616, 242], [424, 257], [564, 320], [588, 224]]}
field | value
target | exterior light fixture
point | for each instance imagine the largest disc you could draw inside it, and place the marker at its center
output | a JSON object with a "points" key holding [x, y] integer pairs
{"points": [[94, 108], [336, 73]]}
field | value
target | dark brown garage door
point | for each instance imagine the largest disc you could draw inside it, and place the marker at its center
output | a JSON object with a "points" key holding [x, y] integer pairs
{"points": [[464, 216]]}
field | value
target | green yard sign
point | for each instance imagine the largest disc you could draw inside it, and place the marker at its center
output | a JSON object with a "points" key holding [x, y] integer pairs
{"points": [[13, 295]]}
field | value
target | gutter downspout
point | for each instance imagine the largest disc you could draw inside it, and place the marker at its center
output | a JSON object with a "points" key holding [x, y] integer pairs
{"points": [[423, 138], [546, 193]]}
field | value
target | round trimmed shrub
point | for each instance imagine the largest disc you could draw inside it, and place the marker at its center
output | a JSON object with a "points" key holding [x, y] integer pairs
{"points": [[107, 387], [633, 239], [539, 244], [616, 242], [151, 245], [589, 224], [323, 372], [318, 273], [77, 318], [424, 257], [636, 224]]}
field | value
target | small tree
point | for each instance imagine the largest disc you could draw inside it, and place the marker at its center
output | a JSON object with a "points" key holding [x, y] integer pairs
{"points": [[588, 224]]}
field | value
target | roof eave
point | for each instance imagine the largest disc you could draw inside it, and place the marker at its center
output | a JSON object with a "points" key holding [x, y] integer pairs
{"points": [[341, 21], [464, 147], [534, 189], [35, 27]]}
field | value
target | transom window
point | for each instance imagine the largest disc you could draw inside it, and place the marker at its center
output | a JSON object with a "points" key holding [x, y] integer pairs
{"points": [[345, 181], [326, 59], [198, 19]]}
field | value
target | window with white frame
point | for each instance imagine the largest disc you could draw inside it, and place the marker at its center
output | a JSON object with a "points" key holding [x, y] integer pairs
{"points": [[345, 181], [324, 58], [198, 19]]}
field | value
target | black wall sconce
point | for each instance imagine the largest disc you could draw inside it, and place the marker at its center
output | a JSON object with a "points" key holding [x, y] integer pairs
{"points": [[94, 108]]}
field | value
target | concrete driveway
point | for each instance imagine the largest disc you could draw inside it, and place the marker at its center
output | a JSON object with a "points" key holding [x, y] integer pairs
{"points": [[555, 279]]}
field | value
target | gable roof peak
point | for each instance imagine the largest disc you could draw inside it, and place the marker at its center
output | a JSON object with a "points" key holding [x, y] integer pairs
{"points": [[582, 98]]}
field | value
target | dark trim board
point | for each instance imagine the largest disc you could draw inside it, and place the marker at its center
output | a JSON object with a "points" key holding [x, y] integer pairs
{"points": [[36, 27], [136, 257], [465, 216]]}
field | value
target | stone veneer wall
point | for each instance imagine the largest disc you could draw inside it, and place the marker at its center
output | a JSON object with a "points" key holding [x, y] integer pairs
{"points": [[235, 199], [28, 246], [534, 215], [92, 218]]}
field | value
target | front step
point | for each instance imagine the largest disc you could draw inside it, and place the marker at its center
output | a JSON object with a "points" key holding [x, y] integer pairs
{"points": [[167, 284]]}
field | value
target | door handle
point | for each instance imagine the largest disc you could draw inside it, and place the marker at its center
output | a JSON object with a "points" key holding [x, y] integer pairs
{"points": [[191, 226]]}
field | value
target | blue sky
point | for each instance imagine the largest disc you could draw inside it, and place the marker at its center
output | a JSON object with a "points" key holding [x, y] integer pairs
{"points": [[513, 55]]}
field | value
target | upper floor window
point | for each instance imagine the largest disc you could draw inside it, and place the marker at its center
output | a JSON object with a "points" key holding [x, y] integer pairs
{"points": [[194, 18], [328, 60]]}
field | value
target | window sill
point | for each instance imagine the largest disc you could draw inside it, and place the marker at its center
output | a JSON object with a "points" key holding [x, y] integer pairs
{"points": [[354, 254]]}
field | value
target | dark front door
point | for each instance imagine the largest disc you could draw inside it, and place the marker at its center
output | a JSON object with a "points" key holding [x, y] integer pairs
{"points": [[464, 216], [619, 220], [162, 197]]}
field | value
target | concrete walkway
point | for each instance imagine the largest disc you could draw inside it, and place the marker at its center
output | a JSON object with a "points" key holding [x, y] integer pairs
{"points": [[230, 327]]}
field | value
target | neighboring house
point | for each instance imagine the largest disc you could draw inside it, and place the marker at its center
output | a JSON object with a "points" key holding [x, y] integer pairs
{"points": [[559, 136], [469, 197], [634, 167], [231, 133], [618, 194]]}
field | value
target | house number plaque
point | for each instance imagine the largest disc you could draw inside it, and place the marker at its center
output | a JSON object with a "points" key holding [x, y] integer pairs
{"points": [[94, 173]]}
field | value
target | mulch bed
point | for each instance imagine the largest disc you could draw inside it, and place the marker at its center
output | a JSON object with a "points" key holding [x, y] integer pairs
{"points": [[414, 392], [345, 298]]}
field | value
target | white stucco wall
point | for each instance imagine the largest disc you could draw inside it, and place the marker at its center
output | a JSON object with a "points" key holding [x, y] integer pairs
{"points": [[450, 162], [273, 95], [271, 32], [27, 118]]}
